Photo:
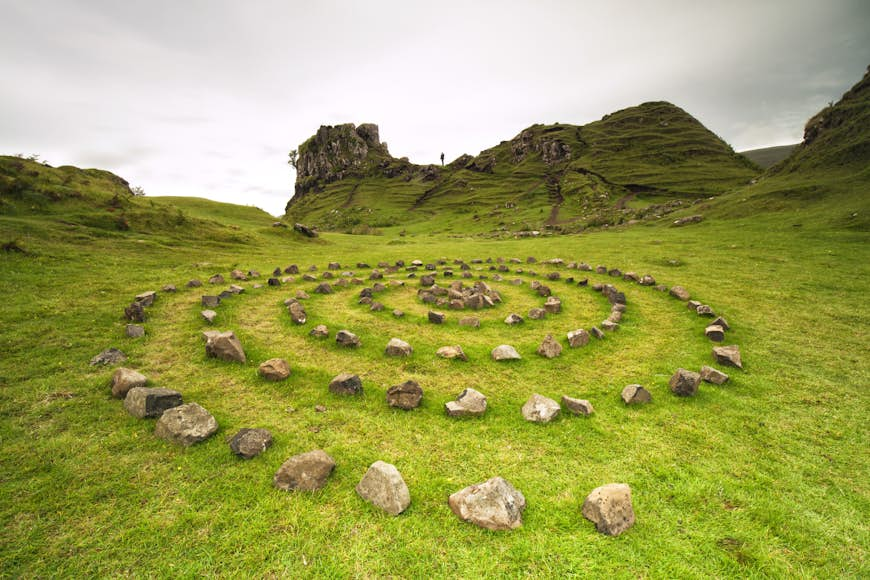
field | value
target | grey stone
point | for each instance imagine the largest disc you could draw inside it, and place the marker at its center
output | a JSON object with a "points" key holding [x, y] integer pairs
{"points": [[609, 508], [406, 396], [719, 321], [452, 352], [469, 403], [347, 338], [210, 301], [398, 313], [209, 315], [728, 356], [297, 313], [596, 332], [225, 346], [550, 348], [494, 504], [216, 279], [249, 443], [684, 383], [274, 369], [705, 310], [383, 487], [513, 318], [635, 395], [715, 333], [436, 317], [186, 424], [537, 313], [135, 331], [320, 331], [305, 472], [398, 347], [144, 402], [714, 376], [553, 305], [346, 384], [146, 298], [470, 321], [194, 283], [609, 325], [577, 406], [323, 288], [505, 352], [110, 356], [124, 379], [680, 293], [540, 409]]}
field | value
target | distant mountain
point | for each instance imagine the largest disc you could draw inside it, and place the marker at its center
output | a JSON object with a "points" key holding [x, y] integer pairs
{"points": [[769, 156], [640, 162]]}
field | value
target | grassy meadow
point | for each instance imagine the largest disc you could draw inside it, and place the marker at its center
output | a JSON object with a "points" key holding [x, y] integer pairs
{"points": [[765, 476]]}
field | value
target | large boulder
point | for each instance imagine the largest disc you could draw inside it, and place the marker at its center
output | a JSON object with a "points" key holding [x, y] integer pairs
{"points": [[685, 383], [144, 402], [186, 424], [609, 508], [305, 472], [540, 409], [125, 379], [494, 504], [249, 443], [398, 347], [346, 384], [274, 369], [728, 356], [469, 403], [225, 346], [505, 352], [405, 396], [383, 487]]}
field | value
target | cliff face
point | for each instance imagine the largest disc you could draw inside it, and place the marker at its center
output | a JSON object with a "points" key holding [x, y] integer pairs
{"points": [[336, 152]]}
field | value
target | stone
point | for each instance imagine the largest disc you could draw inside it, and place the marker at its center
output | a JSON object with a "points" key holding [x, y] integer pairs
{"points": [[436, 317], [186, 424], [398, 347], [601, 269], [494, 504], [553, 305], [693, 305], [513, 318], [194, 283], [134, 330], [291, 269], [553, 276], [615, 316], [631, 277], [302, 295], [543, 291], [319, 331], [469, 403], [540, 409], [647, 280], [135, 312], [617, 308], [144, 402], [714, 376], [505, 352], [209, 315], [320, 408], [334, 266], [680, 293], [210, 301], [577, 406], [550, 348], [238, 275], [470, 321], [248, 443], [376, 307], [297, 313], [110, 356], [346, 384], [225, 346], [124, 379], [705, 310], [216, 279], [728, 356], [328, 276], [406, 396], [274, 369], [383, 486], [684, 383], [578, 338], [609, 325], [452, 352], [427, 280], [635, 395], [537, 313], [146, 298], [398, 313], [609, 508], [305, 472], [715, 333], [692, 219], [596, 332], [305, 230], [323, 288], [719, 321], [347, 339]]}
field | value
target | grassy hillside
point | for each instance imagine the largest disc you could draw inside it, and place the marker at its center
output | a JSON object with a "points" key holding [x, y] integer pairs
{"points": [[633, 164], [768, 156]]}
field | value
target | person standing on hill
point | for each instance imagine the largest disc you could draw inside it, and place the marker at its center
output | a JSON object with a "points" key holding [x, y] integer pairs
{"points": [[442, 160]]}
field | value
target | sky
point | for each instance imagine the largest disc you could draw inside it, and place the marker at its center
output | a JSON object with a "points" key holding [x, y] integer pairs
{"points": [[206, 97]]}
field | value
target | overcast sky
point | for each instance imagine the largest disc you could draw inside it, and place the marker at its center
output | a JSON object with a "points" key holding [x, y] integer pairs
{"points": [[206, 97]]}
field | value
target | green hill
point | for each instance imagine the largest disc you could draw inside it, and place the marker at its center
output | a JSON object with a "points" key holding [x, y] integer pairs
{"points": [[768, 156], [639, 162]]}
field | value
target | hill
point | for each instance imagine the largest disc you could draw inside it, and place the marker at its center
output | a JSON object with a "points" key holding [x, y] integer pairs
{"points": [[768, 156], [645, 161]]}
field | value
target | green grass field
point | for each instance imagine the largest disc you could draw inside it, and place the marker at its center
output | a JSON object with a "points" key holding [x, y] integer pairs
{"points": [[765, 476]]}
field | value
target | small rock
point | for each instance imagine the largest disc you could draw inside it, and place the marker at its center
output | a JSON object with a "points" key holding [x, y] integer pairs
{"points": [[436, 317], [346, 384], [469, 403], [719, 321], [715, 333], [146, 298], [427, 280], [609, 508], [305, 472], [494, 504], [216, 279], [144, 402], [405, 396], [553, 305], [320, 408], [543, 291], [680, 293], [273, 282], [398, 347], [647, 280], [302, 295], [135, 312], [124, 379], [577, 406], [249, 443], [135, 331], [540, 409], [319, 331], [705, 310], [635, 395], [323, 288], [209, 315], [596, 332], [186, 424], [578, 338], [452, 352], [210, 301], [513, 318], [194, 283], [398, 313], [297, 313], [470, 321], [550, 348], [111, 356], [505, 352], [347, 338], [685, 383], [728, 356], [274, 369], [225, 346], [537, 313], [383, 486], [711, 375], [609, 325]]}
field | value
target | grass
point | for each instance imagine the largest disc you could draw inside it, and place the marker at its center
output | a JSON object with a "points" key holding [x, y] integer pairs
{"points": [[764, 476]]}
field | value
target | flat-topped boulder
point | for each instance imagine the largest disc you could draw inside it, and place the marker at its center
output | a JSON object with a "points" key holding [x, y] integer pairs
{"points": [[142, 402], [346, 384], [305, 472], [553, 305], [406, 396], [209, 301], [452, 352], [398, 347], [186, 424], [505, 352], [540, 409], [469, 403], [494, 504], [225, 346], [248, 443], [728, 356], [609, 508], [383, 486], [537, 314], [715, 333], [124, 379], [274, 369]]}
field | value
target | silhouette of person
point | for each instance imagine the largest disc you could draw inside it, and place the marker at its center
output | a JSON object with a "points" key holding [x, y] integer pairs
{"points": [[442, 160]]}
